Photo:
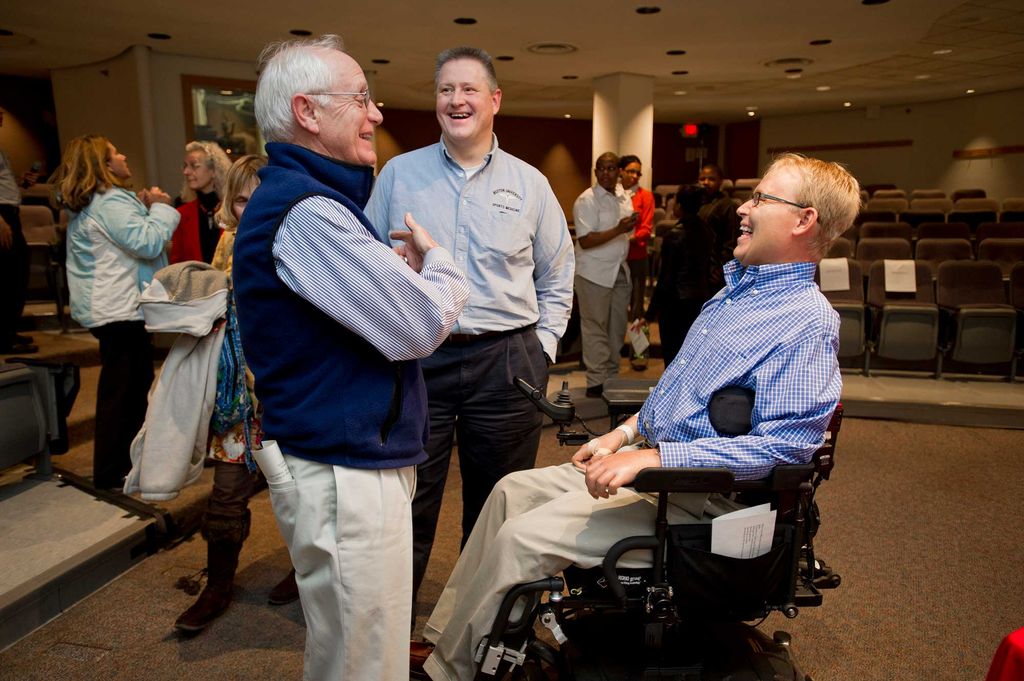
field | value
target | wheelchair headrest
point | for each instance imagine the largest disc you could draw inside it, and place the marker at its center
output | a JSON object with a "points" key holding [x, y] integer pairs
{"points": [[729, 410]]}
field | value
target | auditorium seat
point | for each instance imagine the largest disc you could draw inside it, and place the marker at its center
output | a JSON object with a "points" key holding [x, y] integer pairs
{"points": [[37, 224], [889, 194], [874, 216], [849, 303], [1004, 252], [916, 217], [893, 230], [872, 188], [841, 248], [926, 194], [852, 234], [1013, 210], [979, 203], [972, 217], [982, 326], [662, 194], [937, 251], [893, 205], [944, 230], [937, 204], [904, 324], [1000, 230], [870, 250], [968, 194]]}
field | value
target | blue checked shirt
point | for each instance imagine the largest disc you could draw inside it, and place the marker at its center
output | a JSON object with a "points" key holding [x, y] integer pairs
{"points": [[772, 331]]}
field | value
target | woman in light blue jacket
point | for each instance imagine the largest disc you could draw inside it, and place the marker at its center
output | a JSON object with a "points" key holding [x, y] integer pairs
{"points": [[116, 240]]}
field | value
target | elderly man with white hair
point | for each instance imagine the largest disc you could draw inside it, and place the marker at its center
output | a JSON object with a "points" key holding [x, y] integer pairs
{"points": [[333, 322]]}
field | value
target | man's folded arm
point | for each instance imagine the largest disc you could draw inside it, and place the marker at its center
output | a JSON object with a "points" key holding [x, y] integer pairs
{"points": [[326, 256]]}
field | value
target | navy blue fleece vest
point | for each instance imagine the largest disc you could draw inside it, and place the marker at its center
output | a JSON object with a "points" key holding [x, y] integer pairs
{"points": [[327, 394]]}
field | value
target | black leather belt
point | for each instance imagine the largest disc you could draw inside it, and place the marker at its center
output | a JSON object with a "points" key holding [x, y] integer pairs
{"points": [[464, 338]]}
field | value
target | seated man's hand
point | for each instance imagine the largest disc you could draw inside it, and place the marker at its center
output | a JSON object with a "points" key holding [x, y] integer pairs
{"points": [[605, 475], [598, 448]]}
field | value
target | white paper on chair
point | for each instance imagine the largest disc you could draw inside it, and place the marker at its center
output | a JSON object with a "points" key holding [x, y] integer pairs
{"points": [[835, 274], [900, 276], [746, 533]]}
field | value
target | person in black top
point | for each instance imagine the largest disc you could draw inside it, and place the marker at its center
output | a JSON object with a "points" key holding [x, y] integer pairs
{"points": [[690, 273]]}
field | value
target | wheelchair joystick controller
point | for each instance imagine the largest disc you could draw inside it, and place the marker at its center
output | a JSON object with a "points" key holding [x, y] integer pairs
{"points": [[562, 411]]}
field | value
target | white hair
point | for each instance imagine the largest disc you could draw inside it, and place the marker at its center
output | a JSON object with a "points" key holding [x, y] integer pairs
{"points": [[216, 160], [285, 69]]}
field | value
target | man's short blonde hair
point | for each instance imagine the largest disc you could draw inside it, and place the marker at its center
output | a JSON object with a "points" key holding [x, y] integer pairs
{"points": [[829, 188]]}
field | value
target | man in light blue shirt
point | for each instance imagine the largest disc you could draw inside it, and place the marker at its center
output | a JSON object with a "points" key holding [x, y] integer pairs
{"points": [[502, 223]]}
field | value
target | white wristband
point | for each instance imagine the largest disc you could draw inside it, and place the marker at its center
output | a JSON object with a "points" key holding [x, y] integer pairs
{"points": [[628, 432]]}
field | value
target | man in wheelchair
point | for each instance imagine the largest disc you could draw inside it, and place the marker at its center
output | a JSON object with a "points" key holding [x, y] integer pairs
{"points": [[769, 330]]}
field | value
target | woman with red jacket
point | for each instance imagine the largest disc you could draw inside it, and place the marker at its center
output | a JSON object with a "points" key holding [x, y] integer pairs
{"points": [[643, 203], [204, 169]]}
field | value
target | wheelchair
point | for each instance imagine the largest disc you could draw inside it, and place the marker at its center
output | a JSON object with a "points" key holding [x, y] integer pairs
{"points": [[686, 617]]}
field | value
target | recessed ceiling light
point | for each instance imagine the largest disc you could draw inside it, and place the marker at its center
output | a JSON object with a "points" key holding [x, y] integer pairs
{"points": [[922, 76], [301, 32], [789, 62], [551, 48], [159, 36], [794, 70], [751, 114], [821, 41], [380, 105], [569, 77], [945, 50], [970, 91], [648, 10], [794, 76], [823, 88], [381, 61], [679, 92], [847, 104], [504, 57], [465, 21], [675, 53], [873, 2], [227, 93], [568, 115]]}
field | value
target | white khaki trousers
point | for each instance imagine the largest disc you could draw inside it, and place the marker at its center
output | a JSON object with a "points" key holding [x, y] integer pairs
{"points": [[349, 534]]}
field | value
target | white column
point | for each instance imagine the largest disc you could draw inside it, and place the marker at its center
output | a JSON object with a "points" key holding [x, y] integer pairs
{"points": [[624, 118], [146, 112]]}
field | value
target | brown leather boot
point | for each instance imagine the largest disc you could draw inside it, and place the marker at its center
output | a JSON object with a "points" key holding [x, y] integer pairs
{"points": [[224, 536], [286, 591]]}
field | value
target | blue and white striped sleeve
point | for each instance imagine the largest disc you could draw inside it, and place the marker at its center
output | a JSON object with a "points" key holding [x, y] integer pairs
{"points": [[796, 391], [325, 255]]}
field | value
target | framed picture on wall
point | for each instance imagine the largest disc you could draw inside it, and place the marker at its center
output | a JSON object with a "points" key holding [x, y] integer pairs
{"points": [[221, 110]]}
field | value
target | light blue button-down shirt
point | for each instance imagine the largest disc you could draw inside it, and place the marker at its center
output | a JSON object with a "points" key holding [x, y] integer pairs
{"points": [[502, 225], [772, 331]]}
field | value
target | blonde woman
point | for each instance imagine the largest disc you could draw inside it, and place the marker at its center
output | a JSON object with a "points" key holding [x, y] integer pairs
{"points": [[234, 431], [116, 240], [204, 169]]}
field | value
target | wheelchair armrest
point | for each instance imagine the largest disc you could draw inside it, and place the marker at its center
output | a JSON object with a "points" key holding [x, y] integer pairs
{"points": [[666, 479]]}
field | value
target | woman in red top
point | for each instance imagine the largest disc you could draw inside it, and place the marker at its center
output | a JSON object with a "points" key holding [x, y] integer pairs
{"points": [[643, 203], [204, 169]]}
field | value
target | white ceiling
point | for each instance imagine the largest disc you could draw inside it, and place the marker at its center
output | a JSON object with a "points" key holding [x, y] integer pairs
{"points": [[879, 55]]}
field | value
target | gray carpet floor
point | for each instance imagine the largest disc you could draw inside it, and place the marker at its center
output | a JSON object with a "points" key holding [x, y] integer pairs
{"points": [[922, 521]]}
